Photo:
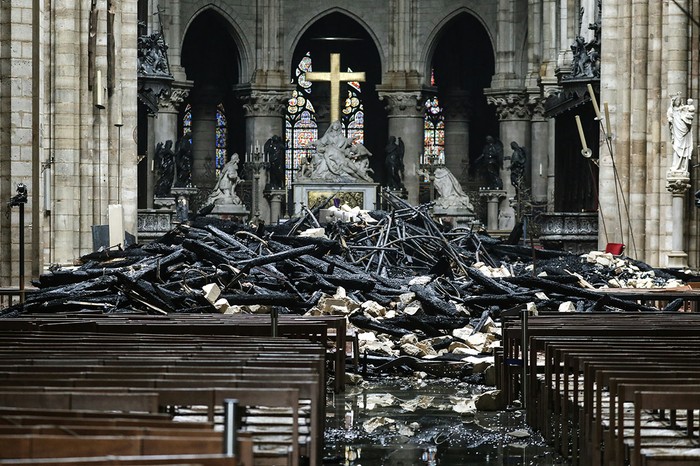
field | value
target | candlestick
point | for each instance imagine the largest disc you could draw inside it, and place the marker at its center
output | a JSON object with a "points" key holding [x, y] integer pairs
{"points": [[594, 102], [607, 119], [580, 133]]}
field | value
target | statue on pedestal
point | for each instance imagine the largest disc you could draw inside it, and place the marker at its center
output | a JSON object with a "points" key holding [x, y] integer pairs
{"points": [[450, 192], [224, 192], [394, 163], [183, 162], [275, 154], [165, 169], [680, 120], [491, 159], [338, 159], [517, 165]]}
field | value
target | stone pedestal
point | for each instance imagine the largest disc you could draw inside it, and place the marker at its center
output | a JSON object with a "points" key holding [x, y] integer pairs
{"points": [[459, 217], [677, 183], [230, 211], [275, 198], [493, 198], [575, 232], [312, 194]]}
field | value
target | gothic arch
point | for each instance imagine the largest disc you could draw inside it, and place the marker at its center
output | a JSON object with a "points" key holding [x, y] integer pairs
{"points": [[234, 30], [433, 39], [319, 17]]}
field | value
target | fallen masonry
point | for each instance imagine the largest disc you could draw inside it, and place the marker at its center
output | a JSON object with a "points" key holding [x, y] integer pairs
{"points": [[418, 296]]}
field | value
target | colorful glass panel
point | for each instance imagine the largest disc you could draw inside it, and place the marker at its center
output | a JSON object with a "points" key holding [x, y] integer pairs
{"points": [[433, 132], [300, 121], [221, 136], [187, 120]]}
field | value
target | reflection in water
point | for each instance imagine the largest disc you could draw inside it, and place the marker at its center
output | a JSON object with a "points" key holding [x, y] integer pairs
{"points": [[396, 421]]}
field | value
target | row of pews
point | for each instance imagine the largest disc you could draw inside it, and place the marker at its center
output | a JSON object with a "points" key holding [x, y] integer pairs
{"points": [[137, 389], [608, 388]]}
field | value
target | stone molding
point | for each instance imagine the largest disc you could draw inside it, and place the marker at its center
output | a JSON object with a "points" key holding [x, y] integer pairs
{"points": [[177, 95], [403, 103], [677, 183], [264, 103], [510, 105]]}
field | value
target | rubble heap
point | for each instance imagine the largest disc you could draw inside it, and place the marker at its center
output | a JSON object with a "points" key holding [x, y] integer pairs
{"points": [[413, 289]]}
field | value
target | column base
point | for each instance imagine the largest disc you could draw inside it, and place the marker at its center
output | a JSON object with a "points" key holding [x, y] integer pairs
{"points": [[677, 260]]}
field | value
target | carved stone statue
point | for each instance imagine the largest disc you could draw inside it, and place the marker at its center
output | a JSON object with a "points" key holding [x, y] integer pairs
{"points": [[165, 168], [338, 159], [680, 121], [394, 163], [274, 153], [517, 165], [450, 192], [491, 159], [152, 55], [224, 192], [183, 162]]}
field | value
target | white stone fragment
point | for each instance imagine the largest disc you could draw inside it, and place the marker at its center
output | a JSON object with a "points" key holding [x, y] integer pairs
{"points": [[567, 306], [211, 292]]}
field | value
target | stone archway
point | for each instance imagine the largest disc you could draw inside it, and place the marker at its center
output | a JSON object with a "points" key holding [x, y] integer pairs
{"points": [[210, 58]]}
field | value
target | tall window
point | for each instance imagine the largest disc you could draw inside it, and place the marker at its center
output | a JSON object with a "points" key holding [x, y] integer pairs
{"points": [[300, 122], [221, 135], [221, 139], [353, 117], [433, 132]]}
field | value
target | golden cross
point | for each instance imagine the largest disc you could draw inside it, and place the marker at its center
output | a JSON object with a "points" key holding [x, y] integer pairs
{"points": [[335, 77]]}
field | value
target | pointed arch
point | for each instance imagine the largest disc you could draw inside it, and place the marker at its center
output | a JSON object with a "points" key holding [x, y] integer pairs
{"points": [[233, 29], [319, 17]]}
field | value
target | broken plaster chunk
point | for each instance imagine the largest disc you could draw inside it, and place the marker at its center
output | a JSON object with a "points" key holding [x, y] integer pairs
{"points": [[409, 338], [420, 280], [567, 306], [373, 309], [211, 292], [492, 400], [426, 349], [463, 333], [222, 305], [373, 424], [413, 308], [412, 350], [314, 233]]}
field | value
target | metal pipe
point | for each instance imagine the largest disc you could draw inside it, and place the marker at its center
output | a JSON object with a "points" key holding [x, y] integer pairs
{"points": [[230, 426], [273, 321], [524, 350]]}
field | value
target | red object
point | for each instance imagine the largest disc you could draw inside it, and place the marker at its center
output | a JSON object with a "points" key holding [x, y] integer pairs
{"points": [[615, 248]]}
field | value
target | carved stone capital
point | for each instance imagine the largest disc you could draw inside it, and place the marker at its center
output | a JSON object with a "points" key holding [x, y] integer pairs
{"points": [[403, 103], [537, 110], [511, 105], [493, 195], [456, 106], [264, 103], [178, 94], [677, 182]]}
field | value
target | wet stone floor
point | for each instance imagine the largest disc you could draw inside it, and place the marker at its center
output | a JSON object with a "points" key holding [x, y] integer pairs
{"points": [[410, 422]]}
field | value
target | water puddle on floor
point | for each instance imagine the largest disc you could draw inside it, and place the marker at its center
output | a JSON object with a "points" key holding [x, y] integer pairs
{"points": [[399, 421]]}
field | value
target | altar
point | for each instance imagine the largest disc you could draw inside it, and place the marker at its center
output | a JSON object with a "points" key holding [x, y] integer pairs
{"points": [[315, 193]]}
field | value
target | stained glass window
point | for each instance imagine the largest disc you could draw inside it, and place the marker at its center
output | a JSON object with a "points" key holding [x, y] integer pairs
{"points": [[433, 132], [353, 117], [300, 122], [187, 121], [221, 136]]}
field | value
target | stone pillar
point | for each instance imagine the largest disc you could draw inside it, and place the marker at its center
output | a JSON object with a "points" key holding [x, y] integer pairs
{"points": [[264, 117], [678, 185], [514, 115], [493, 198], [275, 198], [203, 143], [405, 114], [539, 154], [164, 127], [456, 111]]}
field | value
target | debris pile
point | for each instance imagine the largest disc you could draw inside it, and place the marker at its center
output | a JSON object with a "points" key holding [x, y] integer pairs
{"points": [[421, 296]]}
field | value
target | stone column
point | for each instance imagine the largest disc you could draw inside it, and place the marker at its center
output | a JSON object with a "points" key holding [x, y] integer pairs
{"points": [[456, 111], [493, 198], [203, 143], [264, 117], [678, 184], [513, 113], [164, 127], [275, 198], [539, 154], [405, 114]]}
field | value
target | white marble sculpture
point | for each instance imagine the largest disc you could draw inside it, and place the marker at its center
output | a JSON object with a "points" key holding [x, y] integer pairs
{"points": [[450, 192], [224, 192], [337, 159], [680, 121]]}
